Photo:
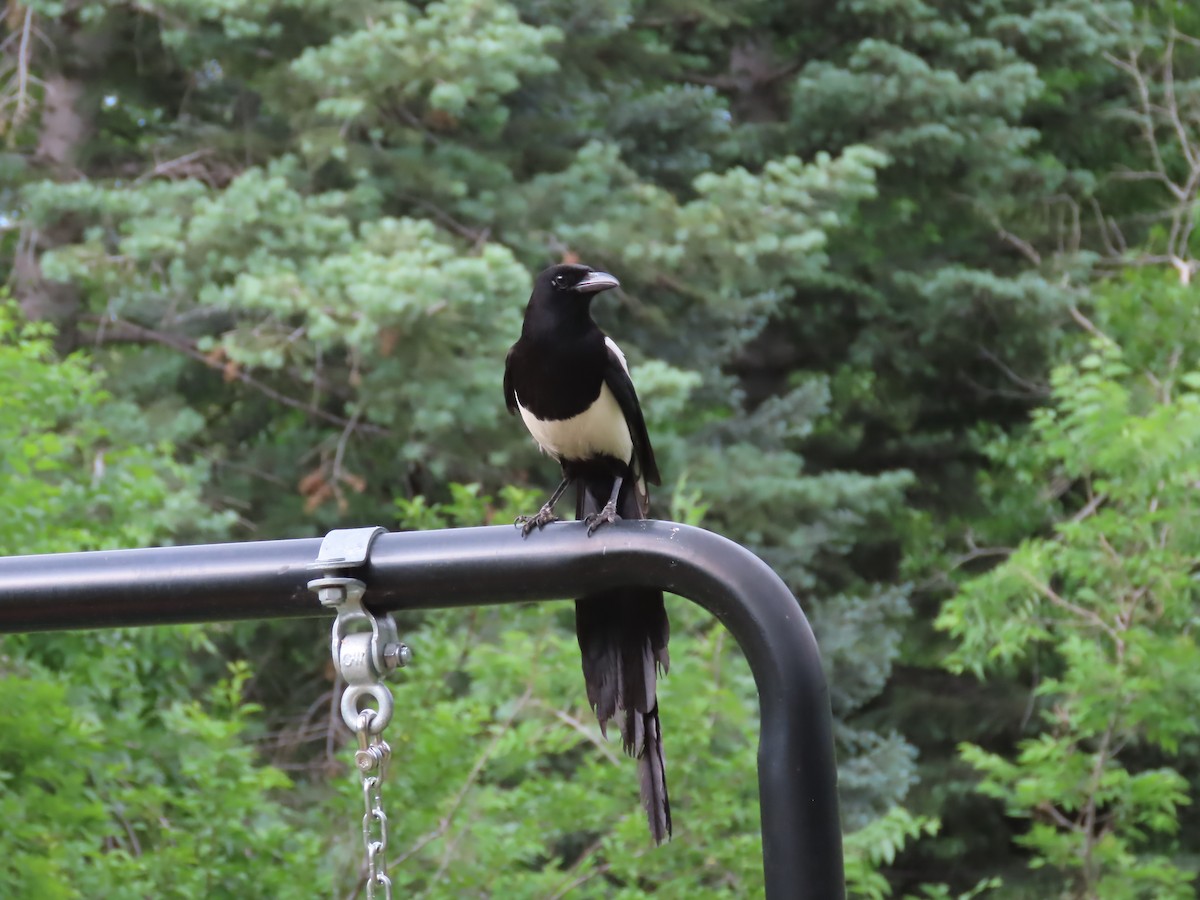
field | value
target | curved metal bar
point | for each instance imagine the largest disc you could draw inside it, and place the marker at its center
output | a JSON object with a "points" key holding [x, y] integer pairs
{"points": [[802, 853]]}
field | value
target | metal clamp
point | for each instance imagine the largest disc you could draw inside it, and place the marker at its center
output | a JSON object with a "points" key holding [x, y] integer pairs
{"points": [[363, 658]]}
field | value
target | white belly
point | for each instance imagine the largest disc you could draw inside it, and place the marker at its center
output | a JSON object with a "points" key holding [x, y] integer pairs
{"points": [[600, 430]]}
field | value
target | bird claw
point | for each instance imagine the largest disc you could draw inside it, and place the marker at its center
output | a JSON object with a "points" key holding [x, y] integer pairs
{"points": [[606, 516], [540, 520]]}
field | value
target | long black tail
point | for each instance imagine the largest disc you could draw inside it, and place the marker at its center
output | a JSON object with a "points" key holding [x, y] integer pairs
{"points": [[623, 637]]}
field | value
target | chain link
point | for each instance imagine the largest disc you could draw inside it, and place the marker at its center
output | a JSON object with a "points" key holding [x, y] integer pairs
{"points": [[371, 760]]}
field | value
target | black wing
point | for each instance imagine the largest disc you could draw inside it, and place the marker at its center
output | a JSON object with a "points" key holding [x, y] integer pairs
{"points": [[618, 381], [510, 393]]}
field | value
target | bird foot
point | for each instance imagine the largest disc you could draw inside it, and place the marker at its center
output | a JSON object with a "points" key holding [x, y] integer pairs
{"points": [[606, 516], [540, 520]]}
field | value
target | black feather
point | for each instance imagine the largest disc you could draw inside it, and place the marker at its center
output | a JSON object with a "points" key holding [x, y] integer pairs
{"points": [[623, 635]]}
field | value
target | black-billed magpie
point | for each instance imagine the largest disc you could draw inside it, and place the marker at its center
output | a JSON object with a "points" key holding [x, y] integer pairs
{"points": [[571, 385]]}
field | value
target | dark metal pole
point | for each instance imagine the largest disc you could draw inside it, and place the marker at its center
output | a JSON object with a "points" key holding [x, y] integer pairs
{"points": [[802, 850]]}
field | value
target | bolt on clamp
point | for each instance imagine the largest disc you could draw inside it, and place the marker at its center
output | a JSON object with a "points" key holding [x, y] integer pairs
{"points": [[362, 658]]}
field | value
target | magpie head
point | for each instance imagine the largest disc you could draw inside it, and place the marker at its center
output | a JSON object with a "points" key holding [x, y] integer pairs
{"points": [[568, 281]]}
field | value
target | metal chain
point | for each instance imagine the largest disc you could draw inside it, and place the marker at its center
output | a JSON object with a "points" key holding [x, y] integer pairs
{"points": [[363, 659], [372, 758]]}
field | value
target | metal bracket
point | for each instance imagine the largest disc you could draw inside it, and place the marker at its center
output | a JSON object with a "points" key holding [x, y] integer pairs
{"points": [[362, 658]]}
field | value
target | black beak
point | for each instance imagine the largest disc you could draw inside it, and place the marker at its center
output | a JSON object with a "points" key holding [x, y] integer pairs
{"points": [[594, 282]]}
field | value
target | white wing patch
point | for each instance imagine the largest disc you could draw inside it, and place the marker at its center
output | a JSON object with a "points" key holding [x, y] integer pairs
{"points": [[599, 430], [612, 345]]}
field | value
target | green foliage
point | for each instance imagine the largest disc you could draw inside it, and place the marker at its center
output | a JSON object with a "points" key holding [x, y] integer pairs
{"points": [[70, 476], [125, 809], [1105, 605], [876, 845], [115, 782], [52, 820], [456, 58]]}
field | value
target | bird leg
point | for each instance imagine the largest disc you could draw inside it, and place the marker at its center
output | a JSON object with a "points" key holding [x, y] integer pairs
{"points": [[609, 513], [545, 515]]}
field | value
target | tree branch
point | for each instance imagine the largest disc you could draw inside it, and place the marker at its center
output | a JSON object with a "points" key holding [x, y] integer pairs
{"points": [[567, 719], [1087, 615], [131, 332], [1145, 115], [1172, 107], [1087, 325]]}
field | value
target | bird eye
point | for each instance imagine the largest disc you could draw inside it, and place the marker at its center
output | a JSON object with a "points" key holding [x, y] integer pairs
{"points": [[560, 280]]}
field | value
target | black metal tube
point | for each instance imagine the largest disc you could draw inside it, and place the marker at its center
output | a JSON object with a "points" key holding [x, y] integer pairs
{"points": [[802, 851]]}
